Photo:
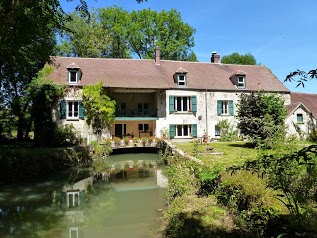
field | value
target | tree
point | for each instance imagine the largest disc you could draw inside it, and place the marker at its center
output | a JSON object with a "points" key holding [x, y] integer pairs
{"points": [[115, 21], [261, 117], [236, 58], [99, 108], [44, 95], [85, 37], [26, 42], [133, 34], [166, 29]]}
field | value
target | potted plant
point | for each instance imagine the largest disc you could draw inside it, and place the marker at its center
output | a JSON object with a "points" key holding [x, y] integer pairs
{"points": [[126, 140], [135, 141]]}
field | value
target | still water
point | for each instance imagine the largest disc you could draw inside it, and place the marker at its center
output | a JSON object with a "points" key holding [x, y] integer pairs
{"points": [[126, 202]]}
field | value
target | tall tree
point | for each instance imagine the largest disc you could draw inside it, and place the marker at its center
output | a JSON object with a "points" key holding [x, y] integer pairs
{"points": [[149, 28], [261, 117], [116, 21], [44, 95], [26, 42], [236, 58], [84, 38], [136, 34]]}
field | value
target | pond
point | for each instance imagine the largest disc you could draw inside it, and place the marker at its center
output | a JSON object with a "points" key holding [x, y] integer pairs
{"points": [[125, 203]]}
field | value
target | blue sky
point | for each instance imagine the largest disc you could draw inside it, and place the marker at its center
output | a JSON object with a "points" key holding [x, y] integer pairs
{"points": [[279, 33]]}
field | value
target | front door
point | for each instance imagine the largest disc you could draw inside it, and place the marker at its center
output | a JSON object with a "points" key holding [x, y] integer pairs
{"points": [[120, 130]]}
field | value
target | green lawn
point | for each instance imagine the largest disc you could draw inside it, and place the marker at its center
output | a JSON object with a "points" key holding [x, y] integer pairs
{"points": [[225, 153]]}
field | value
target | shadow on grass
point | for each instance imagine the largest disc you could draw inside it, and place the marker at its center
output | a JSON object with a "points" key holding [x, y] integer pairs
{"points": [[189, 225], [243, 145]]}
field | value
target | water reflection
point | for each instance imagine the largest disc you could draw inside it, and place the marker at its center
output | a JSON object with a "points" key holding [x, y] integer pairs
{"points": [[122, 202]]}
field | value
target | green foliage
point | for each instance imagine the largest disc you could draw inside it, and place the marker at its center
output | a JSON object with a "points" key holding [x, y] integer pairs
{"points": [[99, 108], [116, 33], [236, 58], [294, 176], [247, 194], [261, 117], [85, 37], [44, 95], [19, 163], [227, 131], [117, 141], [66, 135], [209, 179], [181, 177], [99, 151]]}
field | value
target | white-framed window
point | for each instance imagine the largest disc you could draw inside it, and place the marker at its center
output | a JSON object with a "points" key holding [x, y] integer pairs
{"points": [[224, 107], [182, 104], [73, 199], [181, 80], [73, 76], [240, 81], [72, 110], [73, 232], [183, 130]]}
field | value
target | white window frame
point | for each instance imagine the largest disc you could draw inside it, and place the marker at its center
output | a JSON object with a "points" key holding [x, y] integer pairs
{"points": [[181, 128], [181, 80], [240, 81], [70, 71], [72, 116], [225, 107], [71, 199], [182, 99]]}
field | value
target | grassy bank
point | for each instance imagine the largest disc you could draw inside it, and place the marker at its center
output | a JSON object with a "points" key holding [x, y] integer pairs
{"points": [[210, 201], [19, 162]]}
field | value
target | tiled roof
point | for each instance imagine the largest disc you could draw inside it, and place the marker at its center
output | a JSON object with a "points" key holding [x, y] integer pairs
{"points": [[133, 73], [290, 107], [309, 100]]}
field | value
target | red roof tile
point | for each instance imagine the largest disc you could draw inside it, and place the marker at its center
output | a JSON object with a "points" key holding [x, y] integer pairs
{"points": [[133, 73]]}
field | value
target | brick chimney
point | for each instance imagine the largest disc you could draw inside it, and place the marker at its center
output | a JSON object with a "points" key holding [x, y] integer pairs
{"points": [[157, 55], [215, 58]]}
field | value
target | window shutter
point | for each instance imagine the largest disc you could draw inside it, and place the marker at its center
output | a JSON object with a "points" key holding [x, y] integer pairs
{"points": [[172, 131], [81, 198], [171, 103], [194, 130], [194, 103], [62, 109], [81, 110], [219, 108], [231, 110]]}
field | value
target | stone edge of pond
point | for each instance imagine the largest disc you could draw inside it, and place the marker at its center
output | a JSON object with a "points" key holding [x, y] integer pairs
{"points": [[174, 149]]}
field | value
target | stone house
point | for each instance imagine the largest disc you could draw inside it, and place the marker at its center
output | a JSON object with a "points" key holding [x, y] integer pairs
{"points": [[156, 97], [302, 114]]}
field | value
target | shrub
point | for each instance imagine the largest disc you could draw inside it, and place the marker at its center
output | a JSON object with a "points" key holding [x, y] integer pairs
{"points": [[247, 194], [181, 177], [67, 135], [208, 179]]}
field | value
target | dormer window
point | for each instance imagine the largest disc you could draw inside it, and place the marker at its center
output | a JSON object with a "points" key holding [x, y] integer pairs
{"points": [[180, 77], [181, 80], [74, 73], [73, 76], [241, 81]]}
